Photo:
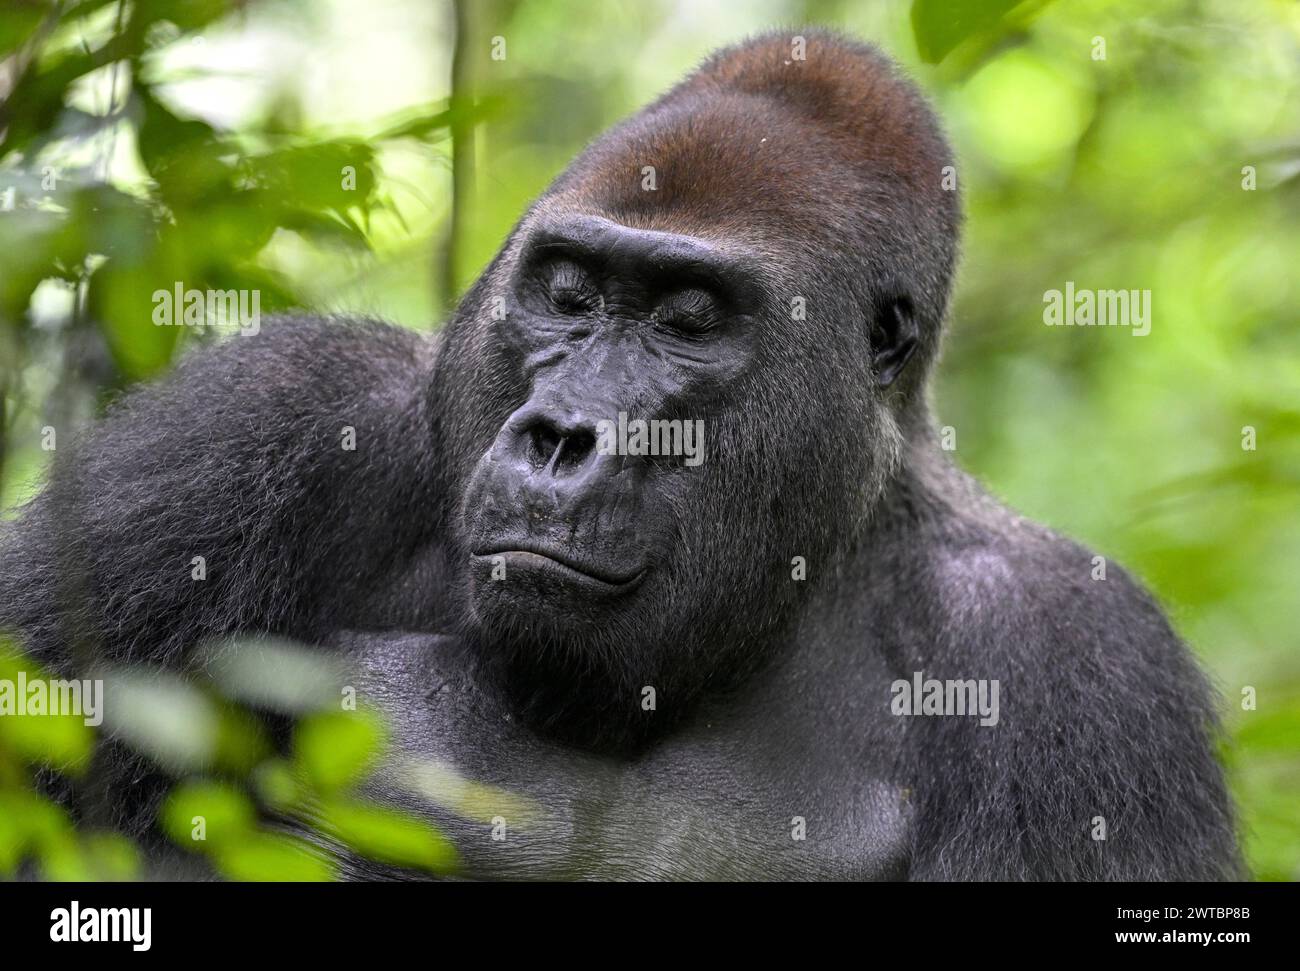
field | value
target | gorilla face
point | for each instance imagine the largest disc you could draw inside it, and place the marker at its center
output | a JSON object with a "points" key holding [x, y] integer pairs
{"points": [[594, 534], [630, 343], [657, 397]]}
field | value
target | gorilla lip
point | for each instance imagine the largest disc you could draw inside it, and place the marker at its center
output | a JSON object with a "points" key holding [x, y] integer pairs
{"points": [[536, 556]]}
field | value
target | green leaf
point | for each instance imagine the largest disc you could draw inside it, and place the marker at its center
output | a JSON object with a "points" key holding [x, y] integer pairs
{"points": [[266, 672], [266, 856], [64, 741], [13, 835], [277, 785], [313, 177], [387, 835], [441, 784], [337, 749], [111, 856], [42, 90], [163, 716], [121, 300], [241, 743], [186, 156], [204, 814], [31, 825], [97, 856]]}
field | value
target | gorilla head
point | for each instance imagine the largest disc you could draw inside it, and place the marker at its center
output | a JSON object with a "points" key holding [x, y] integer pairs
{"points": [[764, 254]]}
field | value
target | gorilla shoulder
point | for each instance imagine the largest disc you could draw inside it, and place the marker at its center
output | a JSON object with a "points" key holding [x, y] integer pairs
{"points": [[224, 472], [1105, 723]]}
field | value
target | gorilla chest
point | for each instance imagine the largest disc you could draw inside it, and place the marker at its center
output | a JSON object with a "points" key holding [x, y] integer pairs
{"points": [[731, 796]]}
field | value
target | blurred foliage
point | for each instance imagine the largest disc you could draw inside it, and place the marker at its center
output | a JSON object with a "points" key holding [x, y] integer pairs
{"points": [[247, 807], [33, 827], [1102, 142]]}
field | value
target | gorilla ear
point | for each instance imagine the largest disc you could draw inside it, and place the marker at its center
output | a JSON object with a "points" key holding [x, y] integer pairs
{"points": [[893, 339]]}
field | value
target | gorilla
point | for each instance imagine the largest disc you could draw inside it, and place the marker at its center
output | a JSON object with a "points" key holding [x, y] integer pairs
{"points": [[703, 662]]}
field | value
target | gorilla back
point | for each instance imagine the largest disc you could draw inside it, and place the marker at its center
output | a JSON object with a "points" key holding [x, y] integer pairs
{"points": [[694, 655]]}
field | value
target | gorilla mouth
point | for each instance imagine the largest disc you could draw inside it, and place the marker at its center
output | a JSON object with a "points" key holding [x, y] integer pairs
{"points": [[534, 556]]}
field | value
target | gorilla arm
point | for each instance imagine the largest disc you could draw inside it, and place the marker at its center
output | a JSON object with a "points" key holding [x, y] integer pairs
{"points": [[1101, 766], [275, 483]]}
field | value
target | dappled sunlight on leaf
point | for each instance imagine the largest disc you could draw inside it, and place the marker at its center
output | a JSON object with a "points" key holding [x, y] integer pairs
{"points": [[274, 674], [442, 785], [162, 715]]}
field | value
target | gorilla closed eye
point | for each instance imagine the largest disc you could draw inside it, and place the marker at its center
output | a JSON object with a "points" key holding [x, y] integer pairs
{"points": [[645, 263], [569, 287], [689, 312]]}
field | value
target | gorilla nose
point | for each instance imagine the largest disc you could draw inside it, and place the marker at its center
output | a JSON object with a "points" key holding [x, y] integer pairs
{"points": [[551, 453], [557, 450]]}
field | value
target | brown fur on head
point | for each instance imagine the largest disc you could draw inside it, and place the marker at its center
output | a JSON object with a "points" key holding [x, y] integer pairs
{"points": [[835, 154]]}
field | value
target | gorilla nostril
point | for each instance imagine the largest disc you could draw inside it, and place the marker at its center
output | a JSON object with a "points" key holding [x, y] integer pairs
{"points": [[543, 440], [576, 447], [546, 444]]}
